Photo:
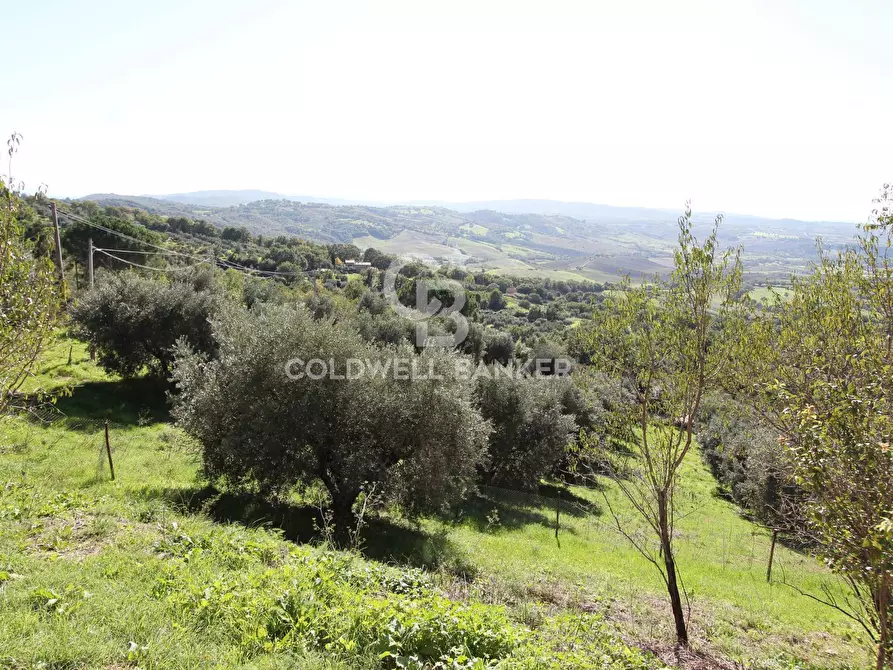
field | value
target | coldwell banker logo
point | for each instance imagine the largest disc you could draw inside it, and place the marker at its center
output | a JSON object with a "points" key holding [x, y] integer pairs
{"points": [[424, 310]]}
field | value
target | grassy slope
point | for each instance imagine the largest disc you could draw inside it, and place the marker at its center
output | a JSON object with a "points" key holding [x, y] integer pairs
{"points": [[66, 530]]}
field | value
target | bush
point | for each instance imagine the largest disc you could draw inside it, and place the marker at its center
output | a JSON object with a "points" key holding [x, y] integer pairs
{"points": [[134, 322]]}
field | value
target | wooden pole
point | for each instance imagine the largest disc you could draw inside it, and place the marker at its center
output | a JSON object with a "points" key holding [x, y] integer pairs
{"points": [[108, 450], [90, 262], [77, 279], [557, 513], [58, 244], [771, 556]]}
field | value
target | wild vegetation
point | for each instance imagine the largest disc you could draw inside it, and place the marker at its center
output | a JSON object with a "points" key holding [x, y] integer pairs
{"points": [[500, 502]]}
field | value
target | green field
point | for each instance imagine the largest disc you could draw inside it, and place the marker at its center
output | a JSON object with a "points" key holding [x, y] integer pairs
{"points": [[155, 569], [768, 295]]}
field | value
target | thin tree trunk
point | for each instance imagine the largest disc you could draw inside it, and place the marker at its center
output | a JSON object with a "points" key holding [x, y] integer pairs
{"points": [[672, 581]]}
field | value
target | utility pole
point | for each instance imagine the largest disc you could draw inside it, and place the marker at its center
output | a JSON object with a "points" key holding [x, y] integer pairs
{"points": [[58, 245], [90, 262]]}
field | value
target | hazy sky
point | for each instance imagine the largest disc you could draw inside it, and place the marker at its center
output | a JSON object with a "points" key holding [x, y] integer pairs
{"points": [[776, 108]]}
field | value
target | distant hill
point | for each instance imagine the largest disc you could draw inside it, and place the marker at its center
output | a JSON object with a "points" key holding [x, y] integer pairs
{"points": [[559, 239], [230, 198], [219, 198]]}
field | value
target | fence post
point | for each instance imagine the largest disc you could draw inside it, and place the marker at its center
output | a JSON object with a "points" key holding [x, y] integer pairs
{"points": [[108, 450], [771, 555], [557, 513]]}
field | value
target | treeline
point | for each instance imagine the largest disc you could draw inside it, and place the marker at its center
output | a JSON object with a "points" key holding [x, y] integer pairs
{"points": [[525, 310]]}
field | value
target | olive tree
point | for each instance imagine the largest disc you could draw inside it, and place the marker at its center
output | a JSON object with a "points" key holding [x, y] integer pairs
{"points": [[133, 321], [656, 337], [293, 399], [530, 427]]}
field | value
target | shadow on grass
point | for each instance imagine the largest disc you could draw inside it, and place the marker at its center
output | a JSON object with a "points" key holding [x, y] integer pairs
{"points": [[129, 402], [516, 509], [382, 539]]}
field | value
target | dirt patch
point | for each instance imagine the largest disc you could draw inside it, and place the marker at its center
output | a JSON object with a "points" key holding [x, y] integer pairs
{"points": [[688, 659]]}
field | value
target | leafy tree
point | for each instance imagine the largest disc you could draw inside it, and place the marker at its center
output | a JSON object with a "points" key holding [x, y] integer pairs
{"points": [[657, 338], [266, 427], [134, 322], [236, 234], [497, 300], [378, 259], [29, 293], [530, 428], [744, 454], [344, 251], [499, 347], [76, 236], [822, 364]]}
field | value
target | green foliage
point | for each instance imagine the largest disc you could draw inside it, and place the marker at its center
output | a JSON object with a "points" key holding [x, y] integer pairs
{"points": [[657, 339], [29, 294], [76, 236], [821, 368], [745, 457], [497, 301], [573, 605], [530, 429], [134, 322], [418, 440]]}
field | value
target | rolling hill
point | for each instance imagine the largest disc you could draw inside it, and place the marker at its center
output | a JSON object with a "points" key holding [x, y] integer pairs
{"points": [[521, 237]]}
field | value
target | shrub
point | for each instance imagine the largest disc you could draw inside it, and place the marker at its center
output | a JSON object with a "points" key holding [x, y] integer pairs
{"points": [[530, 429], [418, 440], [134, 322]]}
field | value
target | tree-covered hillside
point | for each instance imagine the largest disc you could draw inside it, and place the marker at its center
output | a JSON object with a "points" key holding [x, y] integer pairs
{"points": [[603, 245]]}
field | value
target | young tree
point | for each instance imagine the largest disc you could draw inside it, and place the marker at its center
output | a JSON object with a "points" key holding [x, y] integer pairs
{"points": [[285, 402], [657, 338], [821, 370], [29, 293]]}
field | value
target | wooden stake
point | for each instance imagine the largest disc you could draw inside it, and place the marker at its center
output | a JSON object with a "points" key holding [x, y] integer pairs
{"points": [[69, 354], [58, 244], [771, 556], [108, 450], [557, 513]]}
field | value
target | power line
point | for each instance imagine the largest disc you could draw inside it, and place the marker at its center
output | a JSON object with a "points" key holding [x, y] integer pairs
{"points": [[164, 250], [125, 236], [135, 251], [139, 265]]}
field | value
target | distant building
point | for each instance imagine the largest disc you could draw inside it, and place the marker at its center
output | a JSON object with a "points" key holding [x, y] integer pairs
{"points": [[359, 265]]}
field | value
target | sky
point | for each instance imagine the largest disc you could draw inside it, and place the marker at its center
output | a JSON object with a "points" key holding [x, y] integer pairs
{"points": [[777, 108]]}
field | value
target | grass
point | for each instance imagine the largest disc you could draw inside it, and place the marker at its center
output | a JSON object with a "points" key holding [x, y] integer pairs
{"points": [[157, 569], [768, 295]]}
